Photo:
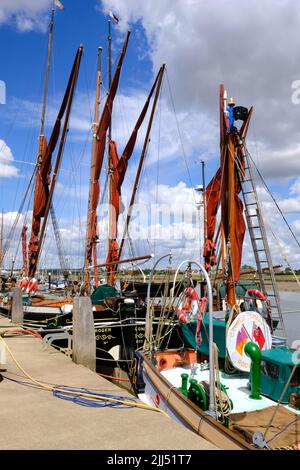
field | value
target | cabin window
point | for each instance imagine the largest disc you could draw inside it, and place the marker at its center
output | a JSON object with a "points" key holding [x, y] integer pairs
{"points": [[270, 369], [295, 381]]}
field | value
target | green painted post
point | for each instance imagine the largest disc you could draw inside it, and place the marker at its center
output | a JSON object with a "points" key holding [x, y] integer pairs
{"points": [[252, 350], [184, 384]]}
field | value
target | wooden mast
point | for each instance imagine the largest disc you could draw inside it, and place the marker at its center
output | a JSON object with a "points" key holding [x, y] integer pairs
{"points": [[111, 225], [50, 41], [60, 150], [204, 204], [41, 145], [100, 143], [1, 244], [94, 161], [232, 220], [141, 162]]}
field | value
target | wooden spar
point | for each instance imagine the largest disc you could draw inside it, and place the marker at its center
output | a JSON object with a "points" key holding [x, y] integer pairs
{"points": [[41, 136], [204, 204], [109, 71], [101, 136], [110, 163], [223, 168], [128, 260], [24, 250], [141, 162], [59, 154], [1, 243], [94, 161], [47, 71], [245, 126], [232, 219]]}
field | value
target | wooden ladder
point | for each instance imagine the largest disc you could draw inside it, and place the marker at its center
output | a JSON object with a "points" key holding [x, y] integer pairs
{"points": [[261, 250]]}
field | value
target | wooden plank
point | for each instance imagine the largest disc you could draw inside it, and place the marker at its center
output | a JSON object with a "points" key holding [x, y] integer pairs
{"points": [[17, 314], [84, 339]]}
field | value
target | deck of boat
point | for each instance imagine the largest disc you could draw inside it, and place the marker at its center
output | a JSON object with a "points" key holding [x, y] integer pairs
{"points": [[34, 419]]}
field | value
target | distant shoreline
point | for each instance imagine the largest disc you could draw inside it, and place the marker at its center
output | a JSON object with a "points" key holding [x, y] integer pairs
{"points": [[288, 286]]}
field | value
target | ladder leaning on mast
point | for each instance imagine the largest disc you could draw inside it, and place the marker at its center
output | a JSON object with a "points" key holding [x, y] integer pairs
{"points": [[260, 245]]}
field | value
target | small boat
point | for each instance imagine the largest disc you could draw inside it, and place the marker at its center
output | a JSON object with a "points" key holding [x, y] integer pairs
{"points": [[235, 382]]}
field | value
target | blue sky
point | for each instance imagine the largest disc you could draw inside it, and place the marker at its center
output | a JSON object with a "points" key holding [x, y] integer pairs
{"points": [[202, 45]]}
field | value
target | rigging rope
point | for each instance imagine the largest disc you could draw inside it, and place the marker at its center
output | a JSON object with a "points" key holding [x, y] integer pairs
{"points": [[274, 200]]}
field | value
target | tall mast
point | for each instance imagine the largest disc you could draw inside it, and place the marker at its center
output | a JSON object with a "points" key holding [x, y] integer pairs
{"points": [[1, 244], [94, 161], [110, 163], [61, 146], [43, 194], [100, 143], [96, 123], [109, 68], [141, 162], [204, 203], [41, 136], [231, 300], [50, 40]]}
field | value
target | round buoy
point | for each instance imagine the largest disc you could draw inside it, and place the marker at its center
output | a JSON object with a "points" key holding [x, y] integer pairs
{"points": [[247, 326]]}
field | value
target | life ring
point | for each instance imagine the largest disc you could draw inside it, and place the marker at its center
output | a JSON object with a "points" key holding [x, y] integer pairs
{"points": [[256, 294], [266, 311], [191, 309], [33, 286], [24, 283]]}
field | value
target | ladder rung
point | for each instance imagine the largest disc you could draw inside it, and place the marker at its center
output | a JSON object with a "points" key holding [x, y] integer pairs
{"points": [[251, 204]]}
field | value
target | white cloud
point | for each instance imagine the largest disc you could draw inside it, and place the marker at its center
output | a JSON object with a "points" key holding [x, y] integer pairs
{"points": [[253, 47], [26, 15], [6, 161]]}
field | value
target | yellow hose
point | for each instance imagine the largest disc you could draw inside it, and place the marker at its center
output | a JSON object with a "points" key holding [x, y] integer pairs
{"points": [[82, 394]]}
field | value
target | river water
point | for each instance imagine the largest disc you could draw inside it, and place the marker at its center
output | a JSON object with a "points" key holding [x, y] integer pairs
{"points": [[290, 304]]}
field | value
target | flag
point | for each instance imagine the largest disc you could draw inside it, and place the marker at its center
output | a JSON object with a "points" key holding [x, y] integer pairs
{"points": [[258, 336], [59, 5], [114, 17], [242, 339]]}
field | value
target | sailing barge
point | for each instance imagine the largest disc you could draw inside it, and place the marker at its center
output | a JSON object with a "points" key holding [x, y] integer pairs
{"points": [[235, 382]]}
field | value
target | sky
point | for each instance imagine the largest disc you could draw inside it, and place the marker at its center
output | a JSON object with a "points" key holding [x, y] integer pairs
{"points": [[253, 47]]}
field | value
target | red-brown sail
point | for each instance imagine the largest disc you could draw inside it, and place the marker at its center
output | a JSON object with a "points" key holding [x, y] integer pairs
{"points": [[224, 188], [24, 250], [120, 167], [43, 176], [99, 155], [212, 198]]}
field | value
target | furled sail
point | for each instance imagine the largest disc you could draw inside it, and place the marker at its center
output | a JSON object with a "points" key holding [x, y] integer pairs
{"points": [[43, 180], [24, 250], [224, 189], [97, 164], [119, 169], [212, 197]]}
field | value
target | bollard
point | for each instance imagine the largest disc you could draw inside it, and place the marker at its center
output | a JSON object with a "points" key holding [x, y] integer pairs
{"points": [[17, 314], [84, 339], [2, 357]]}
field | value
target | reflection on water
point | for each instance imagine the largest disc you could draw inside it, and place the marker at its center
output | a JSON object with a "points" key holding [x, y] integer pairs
{"points": [[290, 301]]}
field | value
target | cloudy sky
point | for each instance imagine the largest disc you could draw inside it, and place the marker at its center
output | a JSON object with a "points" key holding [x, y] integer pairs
{"points": [[253, 47]]}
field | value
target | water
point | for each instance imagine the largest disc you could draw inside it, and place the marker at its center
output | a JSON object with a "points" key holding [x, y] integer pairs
{"points": [[290, 303]]}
